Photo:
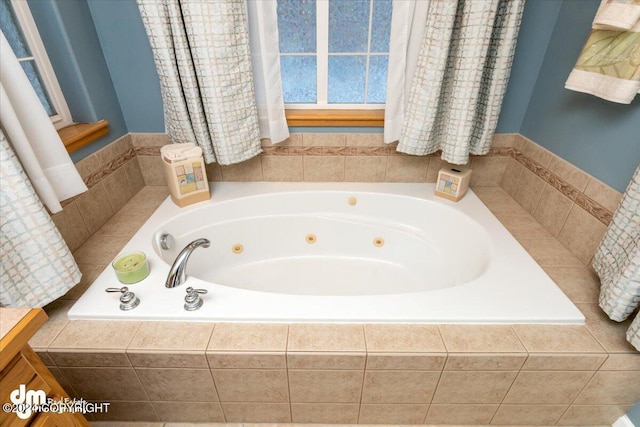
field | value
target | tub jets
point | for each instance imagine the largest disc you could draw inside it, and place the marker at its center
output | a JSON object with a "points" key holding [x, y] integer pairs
{"points": [[178, 272]]}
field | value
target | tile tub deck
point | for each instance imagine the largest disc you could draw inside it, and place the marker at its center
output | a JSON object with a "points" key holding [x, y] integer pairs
{"points": [[395, 374]]}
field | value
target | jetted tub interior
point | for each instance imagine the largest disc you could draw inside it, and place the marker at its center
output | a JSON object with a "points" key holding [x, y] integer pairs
{"points": [[300, 252]]}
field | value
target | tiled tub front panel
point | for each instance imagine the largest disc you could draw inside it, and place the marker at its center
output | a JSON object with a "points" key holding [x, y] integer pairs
{"points": [[353, 373], [389, 374]]}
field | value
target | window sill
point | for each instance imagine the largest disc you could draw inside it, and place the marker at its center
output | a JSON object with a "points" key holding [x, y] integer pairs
{"points": [[335, 118], [78, 135]]}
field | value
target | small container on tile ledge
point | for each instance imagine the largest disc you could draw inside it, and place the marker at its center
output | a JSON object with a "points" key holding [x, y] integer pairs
{"points": [[131, 267], [184, 170], [453, 182]]}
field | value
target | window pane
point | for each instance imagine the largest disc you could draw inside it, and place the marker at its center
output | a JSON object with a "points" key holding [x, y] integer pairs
{"points": [[377, 83], [381, 27], [297, 26], [346, 79], [11, 30], [298, 79], [29, 67], [348, 25]]}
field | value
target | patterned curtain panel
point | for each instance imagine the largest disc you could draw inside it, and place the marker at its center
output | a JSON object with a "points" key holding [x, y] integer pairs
{"points": [[617, 260], [461, 77], [201, 51], [633, 333], [37, 266]]}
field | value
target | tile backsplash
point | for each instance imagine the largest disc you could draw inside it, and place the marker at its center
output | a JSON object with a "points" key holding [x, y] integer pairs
{"points": [[325, 157], [113, 176], [571, 205]]}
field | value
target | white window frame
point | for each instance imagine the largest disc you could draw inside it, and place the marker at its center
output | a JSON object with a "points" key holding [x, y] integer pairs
{"points": [[322, 64], [43, 65]]}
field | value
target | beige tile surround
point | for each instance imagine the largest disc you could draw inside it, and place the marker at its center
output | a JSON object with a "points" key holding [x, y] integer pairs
{"points": [[113, 177], [392, 374], [565, 202], [324, 157]]}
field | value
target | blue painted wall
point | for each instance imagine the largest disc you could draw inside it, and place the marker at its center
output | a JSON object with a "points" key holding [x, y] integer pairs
{"points": [[130, 61], [600, 137], [538, 20], [71, 41], [634, 414]]}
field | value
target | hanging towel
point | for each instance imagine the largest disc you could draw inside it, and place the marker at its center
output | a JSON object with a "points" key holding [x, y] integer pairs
{"points": [[617, 261], [609, 64], [617, 15]]}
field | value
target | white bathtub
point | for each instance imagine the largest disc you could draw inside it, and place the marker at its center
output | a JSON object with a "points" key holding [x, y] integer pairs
{"points": [[310, 254]]}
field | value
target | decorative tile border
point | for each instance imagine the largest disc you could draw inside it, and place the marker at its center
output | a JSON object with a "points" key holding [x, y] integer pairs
{"points": [[330, 151], [147, 151], [109, 168], [599, 212], [354, 151], [596, 210]]}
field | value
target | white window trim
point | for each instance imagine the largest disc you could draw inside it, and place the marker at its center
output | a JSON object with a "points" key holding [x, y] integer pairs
{"points": [[322, 65], [32, 36]]}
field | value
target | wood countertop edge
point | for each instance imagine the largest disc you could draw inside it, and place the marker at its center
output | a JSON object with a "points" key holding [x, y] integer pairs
{"points": [[19, 335]]}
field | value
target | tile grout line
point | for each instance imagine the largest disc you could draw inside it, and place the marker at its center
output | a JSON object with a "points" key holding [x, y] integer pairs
{"points": [[578, 394], [286, 367], [564, 224], [364, 372], [135, 372], [564, 221], [507, 392], [446, 360]]}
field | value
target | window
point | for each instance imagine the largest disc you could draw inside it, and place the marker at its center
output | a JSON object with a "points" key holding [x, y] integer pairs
{"points": [[20, 30], [334, 53]]}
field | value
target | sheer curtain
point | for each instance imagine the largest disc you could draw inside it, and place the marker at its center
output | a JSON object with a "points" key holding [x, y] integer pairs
{"points": [[33, 137], [203, 56], [265, 59], [408, 20], [461, 74]]}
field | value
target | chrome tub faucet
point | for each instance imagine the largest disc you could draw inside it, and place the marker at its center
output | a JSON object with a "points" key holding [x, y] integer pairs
{"points": [[178, 272]]}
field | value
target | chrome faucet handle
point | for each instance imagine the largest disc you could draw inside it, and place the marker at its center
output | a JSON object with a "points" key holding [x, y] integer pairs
{"points": [[192, 300], [128, 300]]}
